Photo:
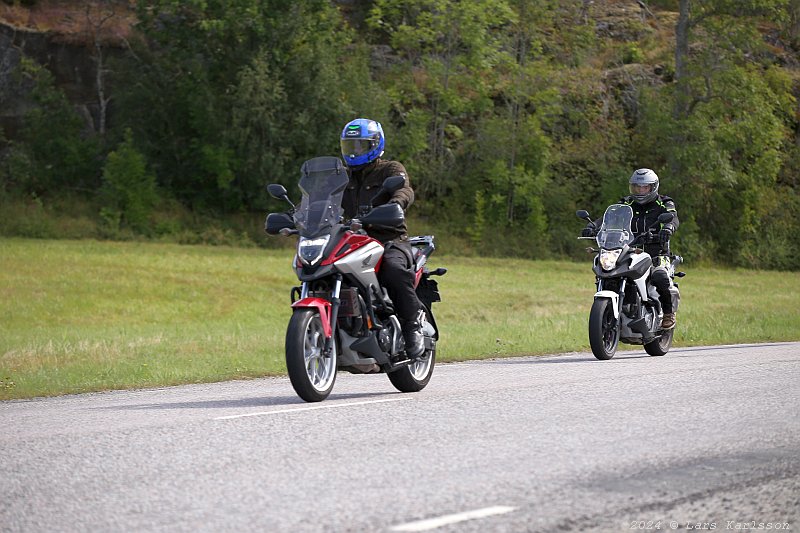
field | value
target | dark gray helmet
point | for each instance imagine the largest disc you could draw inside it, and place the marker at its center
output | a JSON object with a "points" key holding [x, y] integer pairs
{"points": [[644, 185]]}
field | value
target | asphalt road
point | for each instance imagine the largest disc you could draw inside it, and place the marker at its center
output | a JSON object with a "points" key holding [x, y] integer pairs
{"points": [[701, 437]]}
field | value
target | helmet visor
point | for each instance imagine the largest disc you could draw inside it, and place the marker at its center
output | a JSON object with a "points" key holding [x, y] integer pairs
{"points": [[357, 147], [642, 189]]}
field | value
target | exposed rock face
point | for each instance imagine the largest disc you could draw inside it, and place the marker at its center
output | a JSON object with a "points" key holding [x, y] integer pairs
{"points": [[13, 102], [627, 81], [621, 21], [72, 66]]}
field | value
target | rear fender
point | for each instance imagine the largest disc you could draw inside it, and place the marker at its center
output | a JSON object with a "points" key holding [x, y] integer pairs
{"points": [[613, 296], [324, 308]]}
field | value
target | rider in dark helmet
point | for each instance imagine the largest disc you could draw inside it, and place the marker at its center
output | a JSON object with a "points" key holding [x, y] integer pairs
{"points": [[647, 205], [362, 143]]}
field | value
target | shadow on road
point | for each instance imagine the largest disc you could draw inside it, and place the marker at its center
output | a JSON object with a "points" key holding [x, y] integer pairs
{"points": [[238, 402], [726, 346], [575, 358], [564, 359]]}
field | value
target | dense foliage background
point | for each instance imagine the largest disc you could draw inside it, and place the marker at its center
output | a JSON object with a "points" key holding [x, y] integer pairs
{"points": [[508, 114]]}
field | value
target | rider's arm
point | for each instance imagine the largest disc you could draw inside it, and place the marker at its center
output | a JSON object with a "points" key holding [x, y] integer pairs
{"points": [[403, 196], [669, 207]]}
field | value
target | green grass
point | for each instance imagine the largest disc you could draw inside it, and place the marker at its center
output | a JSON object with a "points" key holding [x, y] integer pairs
{"points": [[79, 316]]}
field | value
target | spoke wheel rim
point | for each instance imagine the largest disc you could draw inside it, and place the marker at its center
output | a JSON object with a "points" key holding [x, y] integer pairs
{"points": [[420, 368], [320, 369]]}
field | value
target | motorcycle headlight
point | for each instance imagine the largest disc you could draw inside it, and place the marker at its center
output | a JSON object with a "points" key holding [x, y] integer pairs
{"points": [[608, 258], [310, 250]]}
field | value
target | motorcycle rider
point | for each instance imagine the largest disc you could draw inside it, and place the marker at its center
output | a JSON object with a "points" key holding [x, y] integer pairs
{"points": [[647, 205], [362, 144]]}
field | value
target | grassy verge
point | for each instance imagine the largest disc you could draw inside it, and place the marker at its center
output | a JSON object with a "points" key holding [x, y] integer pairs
{"points": [[78, 316]]}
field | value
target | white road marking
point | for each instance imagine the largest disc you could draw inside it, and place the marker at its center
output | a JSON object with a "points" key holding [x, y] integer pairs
{"points": [[312, 408], [433, 523]]}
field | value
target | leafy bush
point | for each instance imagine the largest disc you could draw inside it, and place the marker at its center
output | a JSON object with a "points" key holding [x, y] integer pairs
{"points": [[631, 53], [129, 190]]}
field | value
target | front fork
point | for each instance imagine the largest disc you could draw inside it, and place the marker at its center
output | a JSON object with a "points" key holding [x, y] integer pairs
{"points": [[617, 298], [335, 302], [328, 317]]}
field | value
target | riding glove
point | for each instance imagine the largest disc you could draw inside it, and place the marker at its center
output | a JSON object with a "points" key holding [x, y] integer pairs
{"points": [[587, 232]]}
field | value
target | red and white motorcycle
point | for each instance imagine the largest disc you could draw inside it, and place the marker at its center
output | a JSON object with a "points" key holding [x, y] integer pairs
{"points": [[343, 318]]}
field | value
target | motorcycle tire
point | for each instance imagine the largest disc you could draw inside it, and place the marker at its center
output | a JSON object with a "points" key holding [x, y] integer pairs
{"points": [[312, 373], [415, 376], [603, 329], [660, 346]]}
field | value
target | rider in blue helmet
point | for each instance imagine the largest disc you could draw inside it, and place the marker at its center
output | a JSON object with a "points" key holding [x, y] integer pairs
{"points": [[362, 144]]}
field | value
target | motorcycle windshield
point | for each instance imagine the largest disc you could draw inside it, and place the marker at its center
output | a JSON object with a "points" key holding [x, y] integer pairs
{"points": [[322, 182], [615, 232]]}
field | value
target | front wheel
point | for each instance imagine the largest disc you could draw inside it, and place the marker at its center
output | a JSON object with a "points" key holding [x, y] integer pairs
{"points": [[603, 329], [311, 372], [415, 376], [662, 345]]}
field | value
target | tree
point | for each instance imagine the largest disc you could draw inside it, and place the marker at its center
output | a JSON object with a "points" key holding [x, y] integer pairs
{"points": [[238, 93], [129, 191], [728, 127], [51, 154], [98, 19], [508, 153], [443, 82]]}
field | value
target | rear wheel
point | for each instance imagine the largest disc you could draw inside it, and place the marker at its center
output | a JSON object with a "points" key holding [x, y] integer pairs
{"points": [[603, 329], [661, 345], [415, 376], [311, 372]]}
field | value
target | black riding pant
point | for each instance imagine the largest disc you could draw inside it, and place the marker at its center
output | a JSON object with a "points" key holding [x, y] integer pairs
{"points": [[660, 280], [397, 275]]}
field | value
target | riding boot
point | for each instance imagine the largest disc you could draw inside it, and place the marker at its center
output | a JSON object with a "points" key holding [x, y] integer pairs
{"points": [[415, 342], [661, 282]]}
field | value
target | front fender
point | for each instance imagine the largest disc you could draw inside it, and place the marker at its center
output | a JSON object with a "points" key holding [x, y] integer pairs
{"points": [[614, 300], [324, 308]]}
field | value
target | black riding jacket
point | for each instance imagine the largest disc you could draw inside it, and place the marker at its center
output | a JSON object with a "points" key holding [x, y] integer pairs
{"points": [[644, 216], [365, 182]]}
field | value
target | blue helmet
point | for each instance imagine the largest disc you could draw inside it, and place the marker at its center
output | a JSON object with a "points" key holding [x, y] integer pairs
{"points": [[362, 142]]}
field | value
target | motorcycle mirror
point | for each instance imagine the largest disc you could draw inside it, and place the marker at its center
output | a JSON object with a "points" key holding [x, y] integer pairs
{"points": [[390, 185], [278, 191], [666, 217], [582, 213], [393, 183]]}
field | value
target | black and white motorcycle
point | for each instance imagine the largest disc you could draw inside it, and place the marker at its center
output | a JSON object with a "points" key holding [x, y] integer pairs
{"points": [[626, 307]]}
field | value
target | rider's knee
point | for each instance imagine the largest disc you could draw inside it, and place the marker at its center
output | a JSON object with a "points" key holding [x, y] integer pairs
{"points": [[660, 277]]}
